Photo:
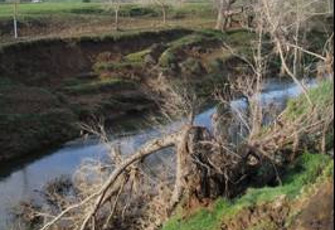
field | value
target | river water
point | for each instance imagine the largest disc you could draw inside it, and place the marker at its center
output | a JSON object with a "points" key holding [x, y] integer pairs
{"points": [[22, 180]]}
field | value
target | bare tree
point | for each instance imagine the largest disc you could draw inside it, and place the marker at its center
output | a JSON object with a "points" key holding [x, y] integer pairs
{"points": [[115, 5], [164, 7], [203, 170], [225, 13], [286, 22]]}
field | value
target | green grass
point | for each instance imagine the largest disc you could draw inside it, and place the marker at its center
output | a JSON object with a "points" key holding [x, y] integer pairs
{"points": [[191, 10], [98, 8], [138, 56], [169, 56], [308, 169], [26, 9], [194, 39], [322, 96], [101, 85]]}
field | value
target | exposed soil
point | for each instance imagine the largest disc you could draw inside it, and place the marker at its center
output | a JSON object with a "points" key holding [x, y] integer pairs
{"points": [[43, 94], [313, 212], [274, 213], [44, 78], [44, 61], [317, 212]]}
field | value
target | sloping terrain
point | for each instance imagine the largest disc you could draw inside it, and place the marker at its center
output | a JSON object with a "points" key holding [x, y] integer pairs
{"points": [[104, 76]]}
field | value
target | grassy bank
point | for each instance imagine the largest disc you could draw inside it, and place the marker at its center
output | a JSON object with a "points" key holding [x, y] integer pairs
{"points": [[307, 171], [103, 75], [37, 89]]}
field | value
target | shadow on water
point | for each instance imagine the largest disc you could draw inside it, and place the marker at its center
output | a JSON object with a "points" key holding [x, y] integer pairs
{"points": [[13, 165], [126, 124]]}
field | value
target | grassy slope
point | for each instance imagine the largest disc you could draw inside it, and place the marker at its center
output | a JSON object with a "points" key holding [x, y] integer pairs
{"points": [[308, 169], [305, 173], [32, 105], [205, 69], [31, 118], [321, 96]]}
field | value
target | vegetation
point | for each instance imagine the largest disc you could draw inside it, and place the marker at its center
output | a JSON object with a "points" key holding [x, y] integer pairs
{"points": [[98, 86], [322, 96], [81, 61], [99, 8], [309, 169]]}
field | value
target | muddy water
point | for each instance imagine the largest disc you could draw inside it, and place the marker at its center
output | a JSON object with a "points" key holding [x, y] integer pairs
{"points": [[22, 180]]}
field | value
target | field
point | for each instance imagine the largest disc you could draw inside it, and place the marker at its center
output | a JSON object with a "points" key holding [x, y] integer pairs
{"points": [[95, 9], [76, 19]]}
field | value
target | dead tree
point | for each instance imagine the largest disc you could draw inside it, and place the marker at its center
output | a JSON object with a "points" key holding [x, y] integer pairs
{"points": [[188, 179], [164, 7], [115, 6], [225, 13]]}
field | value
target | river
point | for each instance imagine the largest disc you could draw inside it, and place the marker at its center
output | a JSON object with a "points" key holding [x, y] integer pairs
{"points": [[20, 180]]}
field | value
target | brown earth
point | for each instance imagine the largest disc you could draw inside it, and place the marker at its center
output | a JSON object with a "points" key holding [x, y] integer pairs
{"points": [[312, 212], [43, 79], [45, 61], [317, 212], [43, 94]]}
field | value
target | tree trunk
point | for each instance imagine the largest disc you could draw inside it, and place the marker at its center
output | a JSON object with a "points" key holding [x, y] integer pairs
{"points": [[227, 16], [117, 9], [192, 177], [164, 14], [220, 18], [330, 6]]}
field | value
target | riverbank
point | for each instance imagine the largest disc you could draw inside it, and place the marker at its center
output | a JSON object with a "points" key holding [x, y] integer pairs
{"points": [[303, 201], [22, 177], [83, 77], [79, 80]]}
